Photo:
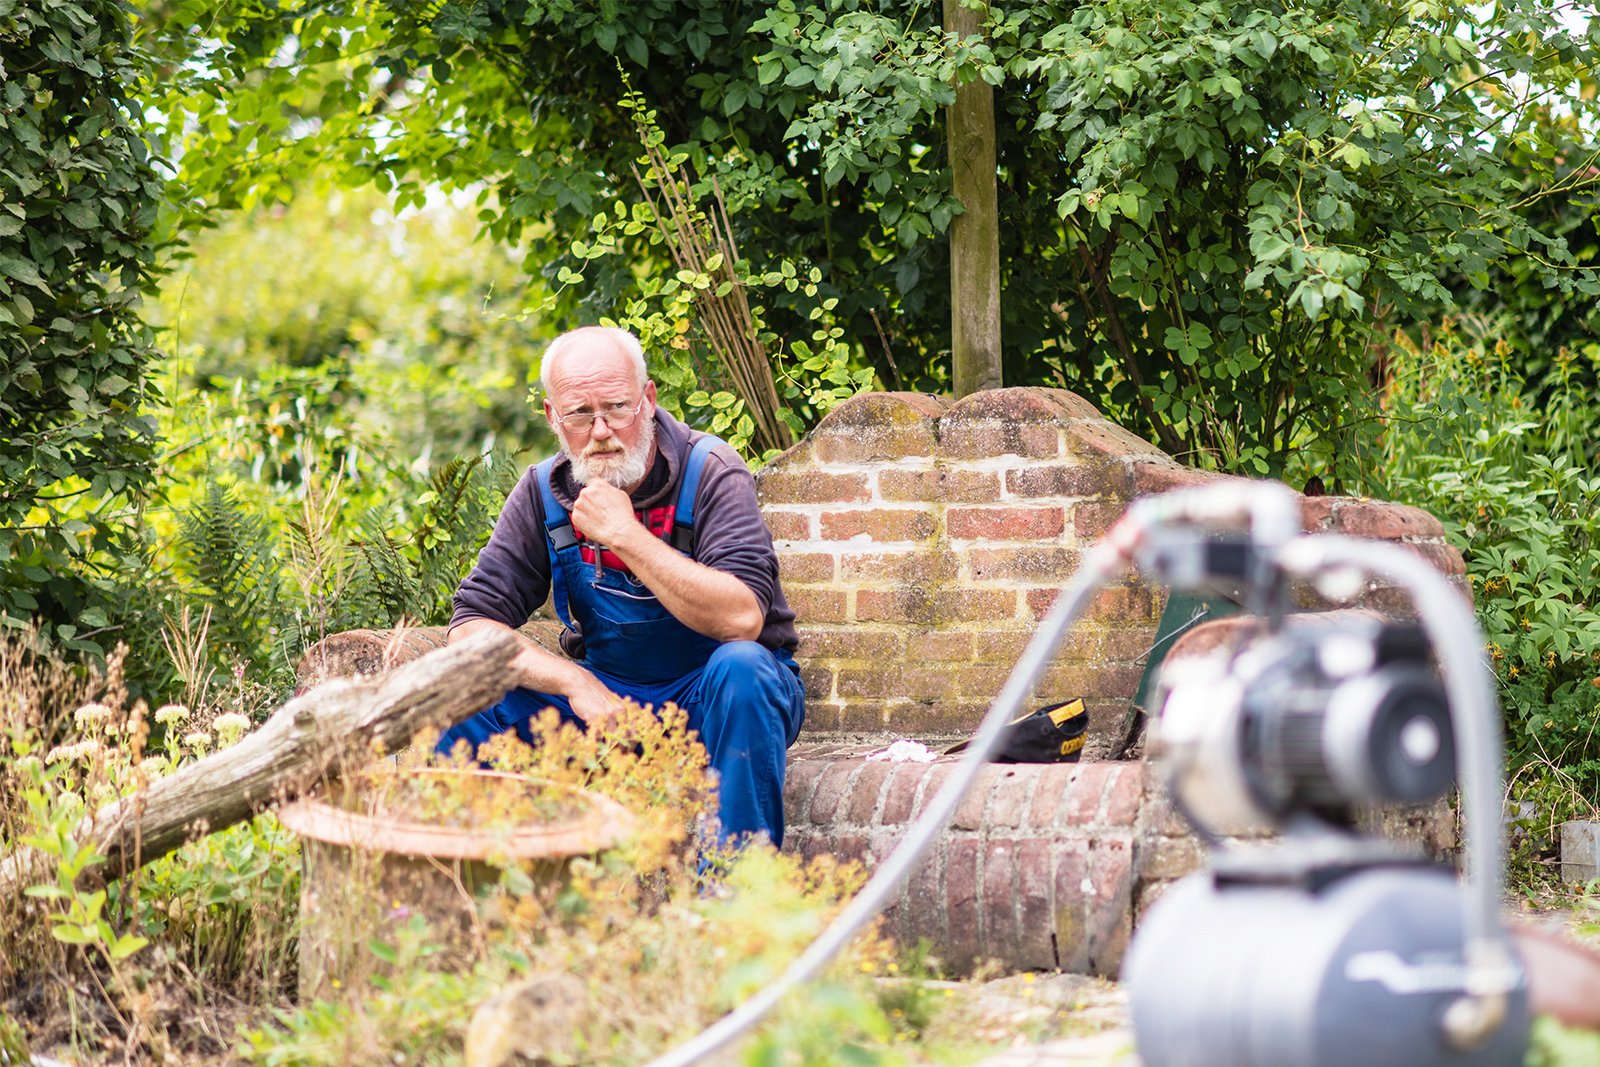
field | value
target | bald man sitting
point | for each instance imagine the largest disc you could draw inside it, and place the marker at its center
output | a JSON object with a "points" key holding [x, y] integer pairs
{"points": [[647, 537]]}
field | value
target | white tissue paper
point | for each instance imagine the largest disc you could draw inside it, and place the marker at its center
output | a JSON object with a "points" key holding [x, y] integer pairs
{"points": [[905, 751]]}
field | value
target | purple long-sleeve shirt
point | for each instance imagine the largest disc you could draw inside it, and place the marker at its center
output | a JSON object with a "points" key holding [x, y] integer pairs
{"points": [[512, 576]]}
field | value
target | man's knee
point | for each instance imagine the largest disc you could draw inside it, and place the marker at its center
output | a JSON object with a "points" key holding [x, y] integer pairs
{"points": [[738, 662]]}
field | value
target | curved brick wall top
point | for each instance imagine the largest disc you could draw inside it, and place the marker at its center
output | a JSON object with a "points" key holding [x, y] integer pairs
{"points": [[921, 540]]}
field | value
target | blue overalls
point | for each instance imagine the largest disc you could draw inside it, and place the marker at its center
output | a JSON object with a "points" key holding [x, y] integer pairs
{"points": [[744, 700]]}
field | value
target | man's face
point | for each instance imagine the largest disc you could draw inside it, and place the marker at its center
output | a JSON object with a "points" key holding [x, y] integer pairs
{"points": [[596, 378]]}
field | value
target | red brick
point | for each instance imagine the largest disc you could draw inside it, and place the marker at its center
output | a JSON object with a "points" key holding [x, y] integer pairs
{"points": [[961, 902], [1012, 795], [923, 912], [1086, 793], [798, 567], [938, 774], [1050, 786], [901, 794], [799, 781], [1091, 519], [977, 439], [969, 813], [812, 487], [850, 848], [853, 643], [1125, 794], [1035, 945], [1122, 604], [788, 525], [1110, 867], [817, 604], [1160, 818], [1163, 475], [863, 717], [880, 524], [942, 486], [1124, 644], [1162, 859], [939, 647], [1001, 523], [1444, 558], [1039, 600], [1071, 907], [1386, 522], [817, 678], [1095, 439], [918, 566], [864, 792], [1057, 479], [1317, 512], [830, 792], [998, 916], [1038, 442], [956, 606], [1033, 563], [1023, 404]]}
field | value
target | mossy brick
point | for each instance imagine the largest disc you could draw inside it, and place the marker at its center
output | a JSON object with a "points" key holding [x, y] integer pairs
{"points": [[1036, 943], [1072, 911], [1123, 644], [1092, 518], [789, 525], [818, 604], [917, 565], [876, 681], [938, 719], [1058, 479], [879, 524], [1099, 438], [1027, 404], [1032, 563], [941, 486], [878, 426], [1122, 604], [812, 487], [823, 715], [952, 607], [864, 717], [1162, 859], [852, 643], [798, 567], [923, 913], [865, 789], [927, 683], [1111, 922], [940, 647], [1005, 522]]}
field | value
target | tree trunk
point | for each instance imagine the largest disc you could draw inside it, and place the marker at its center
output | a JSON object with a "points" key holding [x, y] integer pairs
{"points": [[306, 742], [975, 235]]}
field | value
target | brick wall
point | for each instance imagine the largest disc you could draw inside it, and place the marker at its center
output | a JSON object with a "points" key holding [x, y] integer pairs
{"points": [[921, 541]]}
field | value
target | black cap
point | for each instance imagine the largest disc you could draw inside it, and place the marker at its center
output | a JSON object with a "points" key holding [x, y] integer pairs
{"points": [[1051, 734]]}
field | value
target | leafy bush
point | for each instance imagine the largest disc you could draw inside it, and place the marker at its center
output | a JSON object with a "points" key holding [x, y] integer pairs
{"points": [[1509, 468]]}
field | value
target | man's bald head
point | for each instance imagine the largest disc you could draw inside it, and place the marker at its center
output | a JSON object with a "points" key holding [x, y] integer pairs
{"points": [[588, 346]]}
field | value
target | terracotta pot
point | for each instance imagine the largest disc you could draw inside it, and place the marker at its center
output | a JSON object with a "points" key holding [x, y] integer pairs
{"points": [[366, 871]]}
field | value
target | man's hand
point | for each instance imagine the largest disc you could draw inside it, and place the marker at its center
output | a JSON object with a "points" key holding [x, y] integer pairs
{"points": [[593, 702], [536, 669], [605, 514]]}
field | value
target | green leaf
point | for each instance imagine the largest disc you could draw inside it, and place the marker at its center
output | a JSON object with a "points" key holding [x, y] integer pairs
{"points": [[127, 945]]}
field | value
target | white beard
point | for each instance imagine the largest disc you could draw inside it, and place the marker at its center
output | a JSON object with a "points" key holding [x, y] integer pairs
{"points": [[621, 467]]}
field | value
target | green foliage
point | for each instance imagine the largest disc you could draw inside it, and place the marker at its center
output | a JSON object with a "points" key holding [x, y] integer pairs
{"points": [[1506, 465], [78, 206], [1206, 208]]}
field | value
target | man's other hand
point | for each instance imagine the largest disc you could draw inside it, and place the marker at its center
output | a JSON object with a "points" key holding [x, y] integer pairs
{"points": [[593, 702]]}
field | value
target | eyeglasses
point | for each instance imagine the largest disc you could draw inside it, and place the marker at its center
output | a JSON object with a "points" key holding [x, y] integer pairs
{"points": [[617, 416]]}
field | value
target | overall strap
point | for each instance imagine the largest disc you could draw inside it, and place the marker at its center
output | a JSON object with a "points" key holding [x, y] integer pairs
{"points": [[683, 512], [558, 530]]}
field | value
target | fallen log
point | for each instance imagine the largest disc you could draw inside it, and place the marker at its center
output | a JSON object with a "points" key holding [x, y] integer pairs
{"points": [[304, 743]]}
